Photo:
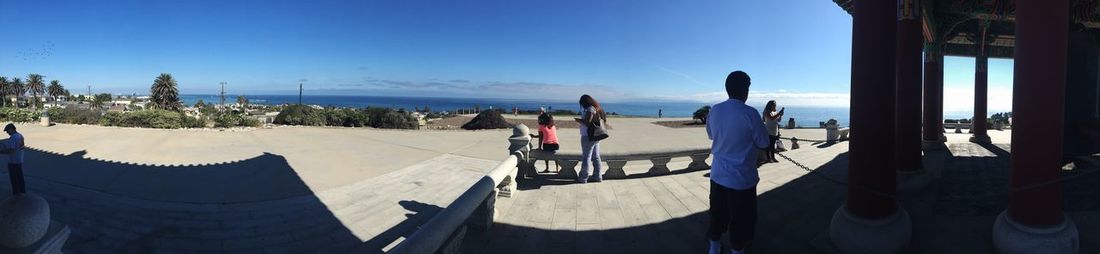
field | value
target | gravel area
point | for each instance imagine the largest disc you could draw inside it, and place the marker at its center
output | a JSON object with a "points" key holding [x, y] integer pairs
{"points": [[454, 123], [681, 124]]}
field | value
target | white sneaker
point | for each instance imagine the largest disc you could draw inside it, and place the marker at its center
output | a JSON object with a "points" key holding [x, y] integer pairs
{"points": [[715, 247]]}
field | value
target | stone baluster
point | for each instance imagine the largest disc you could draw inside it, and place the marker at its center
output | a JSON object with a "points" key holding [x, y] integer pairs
{"points": [[699, 161], [520, 141], [568, 168], [615, 169], [660, 165]]}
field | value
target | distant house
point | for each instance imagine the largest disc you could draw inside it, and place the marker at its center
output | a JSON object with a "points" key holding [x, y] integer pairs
{"points": [[116, 108]]}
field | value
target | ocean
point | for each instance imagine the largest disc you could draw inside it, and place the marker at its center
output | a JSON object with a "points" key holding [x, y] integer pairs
{"points": [[805, 116]]}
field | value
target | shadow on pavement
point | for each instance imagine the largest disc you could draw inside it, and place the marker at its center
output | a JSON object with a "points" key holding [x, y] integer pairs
{"points": [[421, 213], [117, 207], [790, 217]]}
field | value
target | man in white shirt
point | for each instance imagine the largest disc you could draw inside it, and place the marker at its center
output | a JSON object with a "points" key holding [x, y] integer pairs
{"points": [[13, 147], [738, 134]]}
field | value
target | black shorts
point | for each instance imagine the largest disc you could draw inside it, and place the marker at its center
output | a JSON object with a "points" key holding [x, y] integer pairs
{"points": [[550, 147]]}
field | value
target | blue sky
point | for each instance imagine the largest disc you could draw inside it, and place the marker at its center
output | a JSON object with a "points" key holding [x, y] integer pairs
{"points": [[795, 50]]}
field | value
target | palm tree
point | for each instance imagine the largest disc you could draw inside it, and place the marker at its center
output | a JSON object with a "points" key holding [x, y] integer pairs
{"points": [[242, 101], [97, 101], [4, 87], [36, 86], [165, 95], [16, 89], [55, 90]]}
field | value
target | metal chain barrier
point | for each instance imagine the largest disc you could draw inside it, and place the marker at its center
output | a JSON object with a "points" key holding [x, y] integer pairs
{"points": [[1084, 172]]}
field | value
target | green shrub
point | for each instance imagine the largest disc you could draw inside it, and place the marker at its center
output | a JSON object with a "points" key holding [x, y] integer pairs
{"points": [[193, 122], [234, 119], [160, 119], [18, 115], [300, 115], [73, 115], [346, 117], [385, 118]]}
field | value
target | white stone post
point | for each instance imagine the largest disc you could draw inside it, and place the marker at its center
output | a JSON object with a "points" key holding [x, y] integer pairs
{"points": [[25, 226]]}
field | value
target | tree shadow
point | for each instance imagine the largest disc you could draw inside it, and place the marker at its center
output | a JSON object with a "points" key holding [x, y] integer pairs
{"points": [[258, 204]]}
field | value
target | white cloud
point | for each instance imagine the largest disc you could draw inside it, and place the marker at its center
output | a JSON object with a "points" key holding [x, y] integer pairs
{"points": [[681, 74], [786, 97], [468, 88], [961, 99]]}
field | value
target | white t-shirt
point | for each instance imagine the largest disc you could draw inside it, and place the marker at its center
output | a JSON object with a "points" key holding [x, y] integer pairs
{"points": [[584, 126], [772, 124], [738, 134], [15, 142]]}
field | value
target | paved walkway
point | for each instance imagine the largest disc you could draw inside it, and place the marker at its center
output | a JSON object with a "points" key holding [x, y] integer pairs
{"points": [[663, 214], [288, 189], [364, 217], [299, 189], [667, 214]]}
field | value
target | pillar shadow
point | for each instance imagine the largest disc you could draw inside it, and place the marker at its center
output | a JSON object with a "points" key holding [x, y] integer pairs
{"points": [[995, 149], [252, 205]]}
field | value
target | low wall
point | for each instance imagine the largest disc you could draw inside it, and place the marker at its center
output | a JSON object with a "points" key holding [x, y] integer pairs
{"points": [[617, 160], [474, 208]]}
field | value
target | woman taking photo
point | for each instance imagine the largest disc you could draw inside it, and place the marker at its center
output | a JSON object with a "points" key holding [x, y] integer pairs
{"points": [[771, 123], [592, 116]]}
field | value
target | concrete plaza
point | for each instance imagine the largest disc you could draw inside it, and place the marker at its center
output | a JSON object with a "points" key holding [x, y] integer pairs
{"points": [[309, 189]]}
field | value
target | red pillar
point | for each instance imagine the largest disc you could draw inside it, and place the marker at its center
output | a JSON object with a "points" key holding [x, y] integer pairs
{"points": [[981, 89], [872, 114], [933, 92], [981, 95], [1038, 98], [908, 107]]}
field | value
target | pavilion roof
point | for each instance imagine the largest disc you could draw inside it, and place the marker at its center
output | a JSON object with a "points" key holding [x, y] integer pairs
{"points": [[958, 24]]}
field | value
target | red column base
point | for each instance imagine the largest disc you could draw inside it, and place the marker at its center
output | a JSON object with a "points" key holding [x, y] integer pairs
{"points": [[851, 234], [1012, 237], [981, 139]]}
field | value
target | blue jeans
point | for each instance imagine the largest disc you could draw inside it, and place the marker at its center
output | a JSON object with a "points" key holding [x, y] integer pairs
{"points": [[590, 158]]}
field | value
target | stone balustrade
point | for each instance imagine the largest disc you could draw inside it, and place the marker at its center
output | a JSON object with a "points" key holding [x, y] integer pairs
{"points": [[617, 160], [474, 209]]}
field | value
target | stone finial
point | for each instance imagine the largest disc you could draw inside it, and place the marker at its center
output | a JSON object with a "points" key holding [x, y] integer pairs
{"points": [[520, 139], [794, 143], [24, 220]]}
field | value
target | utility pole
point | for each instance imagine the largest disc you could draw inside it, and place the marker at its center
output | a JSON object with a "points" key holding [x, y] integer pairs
{"points": [[299, 93], [223, 93]]}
